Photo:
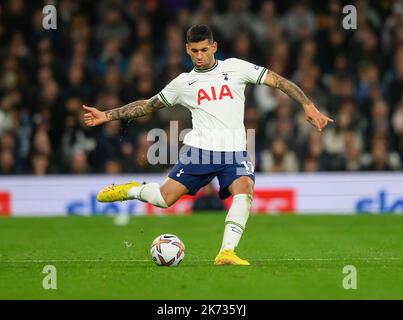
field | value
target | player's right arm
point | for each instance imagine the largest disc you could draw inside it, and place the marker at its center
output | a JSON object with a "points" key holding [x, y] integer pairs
{"points": [[132, 110]]}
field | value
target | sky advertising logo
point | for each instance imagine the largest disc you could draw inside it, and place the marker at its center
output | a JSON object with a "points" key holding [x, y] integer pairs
{"points": [[382, 202], [93, 207]]}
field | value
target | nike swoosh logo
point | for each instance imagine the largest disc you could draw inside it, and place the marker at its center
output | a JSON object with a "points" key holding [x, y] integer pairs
{"points": [[190, 83]]}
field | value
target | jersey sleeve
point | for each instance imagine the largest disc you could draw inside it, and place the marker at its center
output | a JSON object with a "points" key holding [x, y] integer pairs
{"points": [[169, 96], [251, 73]]}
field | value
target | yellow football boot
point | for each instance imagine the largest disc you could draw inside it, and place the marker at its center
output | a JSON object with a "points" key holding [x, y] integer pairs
{"points": [[116, 192], [228, 257]]}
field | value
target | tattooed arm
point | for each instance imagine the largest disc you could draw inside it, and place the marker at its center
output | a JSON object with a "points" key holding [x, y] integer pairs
{"points": [[312, 114], [291, 89], [132, 110]]}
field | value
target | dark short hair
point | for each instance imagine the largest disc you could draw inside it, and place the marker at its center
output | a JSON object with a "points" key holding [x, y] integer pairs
{"points": [[199, 33]]}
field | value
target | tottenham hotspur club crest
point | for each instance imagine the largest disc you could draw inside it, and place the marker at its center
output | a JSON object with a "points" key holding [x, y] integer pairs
{"points": [[225, 74], [180, 172]]}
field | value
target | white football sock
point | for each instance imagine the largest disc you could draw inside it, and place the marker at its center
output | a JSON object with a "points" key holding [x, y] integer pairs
{"points": [[236, 220], [149, 192]]}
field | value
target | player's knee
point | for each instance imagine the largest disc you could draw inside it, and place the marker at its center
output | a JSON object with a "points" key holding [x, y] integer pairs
{"points": [[168, 203], [171, 191], [243, 185], [152, 193], [169, 199], [245, 189]]}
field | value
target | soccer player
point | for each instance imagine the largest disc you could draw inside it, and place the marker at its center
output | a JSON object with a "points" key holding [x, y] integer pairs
{"points": [[216, 146]]}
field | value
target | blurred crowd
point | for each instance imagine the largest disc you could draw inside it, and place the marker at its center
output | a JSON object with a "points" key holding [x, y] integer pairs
{"points": [[110, 52]]}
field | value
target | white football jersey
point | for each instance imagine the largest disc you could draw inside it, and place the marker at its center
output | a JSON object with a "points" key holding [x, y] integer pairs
{"points": [[216, 99]]}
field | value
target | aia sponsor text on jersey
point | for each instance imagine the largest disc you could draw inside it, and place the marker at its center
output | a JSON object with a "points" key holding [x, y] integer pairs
{"points": [[213, 94]]}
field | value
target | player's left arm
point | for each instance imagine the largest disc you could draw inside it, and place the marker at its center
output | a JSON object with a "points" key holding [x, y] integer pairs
{"points": [[312, 114]]}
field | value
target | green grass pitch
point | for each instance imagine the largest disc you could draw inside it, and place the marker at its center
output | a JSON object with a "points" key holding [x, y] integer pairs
{"points": [[292, 257]]}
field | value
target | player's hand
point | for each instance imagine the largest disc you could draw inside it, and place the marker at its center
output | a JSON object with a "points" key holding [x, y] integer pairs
{"points": [[94, 117], [315, 117]]}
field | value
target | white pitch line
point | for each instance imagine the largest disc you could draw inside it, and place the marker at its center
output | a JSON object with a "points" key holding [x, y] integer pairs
{"points": [[256, 260], [72, 260], [327, 259]]}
